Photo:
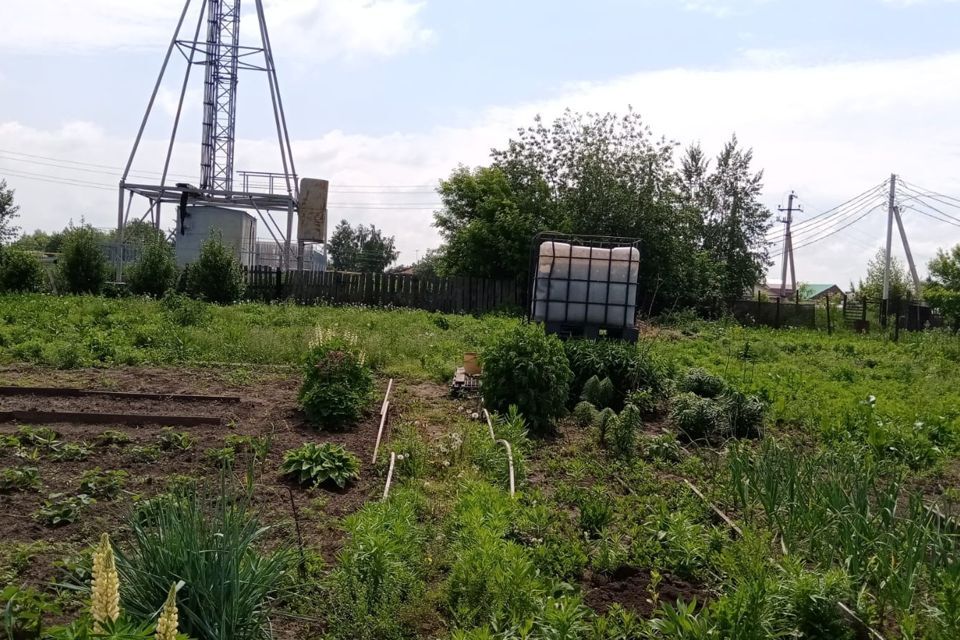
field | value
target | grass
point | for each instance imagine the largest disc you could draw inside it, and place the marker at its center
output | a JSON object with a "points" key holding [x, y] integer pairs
{"points": [[70, 332]]}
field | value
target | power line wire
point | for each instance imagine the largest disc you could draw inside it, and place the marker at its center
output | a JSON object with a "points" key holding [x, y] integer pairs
{"points": [[836, 231], [808, 221], [829, 223], [841, 213]]}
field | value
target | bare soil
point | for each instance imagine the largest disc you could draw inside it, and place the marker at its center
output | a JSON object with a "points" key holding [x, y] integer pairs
{"points": [[631, 589]]}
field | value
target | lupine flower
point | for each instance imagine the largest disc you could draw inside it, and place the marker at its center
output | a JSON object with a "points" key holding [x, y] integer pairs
{"points": [[105, 586], [167, 623]]}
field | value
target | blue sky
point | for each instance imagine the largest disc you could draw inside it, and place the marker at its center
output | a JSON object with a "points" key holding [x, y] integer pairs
{"points": [[833, 96]]}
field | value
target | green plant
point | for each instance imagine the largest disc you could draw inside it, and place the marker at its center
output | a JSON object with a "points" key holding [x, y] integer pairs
{"points": [[70, 451], [744, 414], [606, 422], [527, 368], [24, 610], [221, 456], [112, 438], [82, 264], [212, 543], [216, 276], [622, 433], [59, 509], [702, 383], [145, 453], [170, 440], [696, 417], [663, 447], [183, 311], [599, 393], [40, 437], [315, 464], [102, 484], [680, 622], [259, 446], [337, 384], [155, 272], [596, 512], [643, 399], [622, 362], [19, 479], [20, 271], [584, 414]]}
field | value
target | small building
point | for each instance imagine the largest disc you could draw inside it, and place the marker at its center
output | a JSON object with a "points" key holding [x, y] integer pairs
{"points": [[808, 292], [237, 230]]}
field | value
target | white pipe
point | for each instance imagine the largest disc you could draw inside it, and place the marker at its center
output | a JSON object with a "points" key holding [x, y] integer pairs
{"points": [[386, 397], [383, 421], [386, 487], [510, 462], [489, 424]]}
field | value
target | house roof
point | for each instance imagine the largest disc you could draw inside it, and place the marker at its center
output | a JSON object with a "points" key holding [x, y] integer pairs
{"points": [[814, 290]]}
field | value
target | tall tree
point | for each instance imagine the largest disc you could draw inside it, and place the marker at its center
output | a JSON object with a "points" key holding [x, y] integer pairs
{"points": [[8, 213], [943, 287], [361, 248], [730, 221], [871, 288]]}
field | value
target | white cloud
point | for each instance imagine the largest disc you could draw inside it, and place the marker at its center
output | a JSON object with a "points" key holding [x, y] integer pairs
{"points": [[828, 131], [315, 28], [722, 8]]}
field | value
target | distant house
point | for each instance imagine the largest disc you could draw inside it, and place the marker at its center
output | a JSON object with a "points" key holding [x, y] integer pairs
{"points": [[807, 291]]}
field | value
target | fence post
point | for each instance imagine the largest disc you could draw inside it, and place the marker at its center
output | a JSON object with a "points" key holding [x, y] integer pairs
{"points": [[776, 323], [278, 294], [759, 303], [829, 326]]}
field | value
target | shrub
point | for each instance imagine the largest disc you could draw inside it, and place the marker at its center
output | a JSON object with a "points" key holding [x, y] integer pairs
{"points": [[183, 311], [337, 385], [622, 362], [23, 611], [596, 512], [527, 368], [20, 271], [102, 484], [216, 276], [82, 265], [599, 393], [623, 432], [664, 448], [643, 399], [744, 414], [697, 417], [155, 272], [606, 422], [315, 464], [19, 479], [211, 542], [584, 414], [702, 383]]}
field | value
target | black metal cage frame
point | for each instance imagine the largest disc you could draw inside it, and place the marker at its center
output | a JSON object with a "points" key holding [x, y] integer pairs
{"points": [[567, 327]]}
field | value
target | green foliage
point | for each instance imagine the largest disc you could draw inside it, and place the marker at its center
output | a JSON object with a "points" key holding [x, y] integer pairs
{"points": [[527, 368], [70, 451], [121, 629], [316, 464], [337, 384], [60, 509], [155, 272], [378, 584], [730, 415], [872, 287], [24, 610], [943, 288], [183, 311], [102, 484], [664, 448], [622, 433], [112, 438], [643, 399], [596, 512], [702, 383], [170, 440], [145, 453], [40, 437], [216, 276], [8, 212], [606, 422], [82, 265], [19, 479], [599, 393], [696, 417], [626, 367], [212, 543], [256, 446], [585, 414], [363, 249], [20, 271]]}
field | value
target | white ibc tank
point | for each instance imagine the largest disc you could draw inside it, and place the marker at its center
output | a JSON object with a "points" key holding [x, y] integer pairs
{"points": [[586, 285]]}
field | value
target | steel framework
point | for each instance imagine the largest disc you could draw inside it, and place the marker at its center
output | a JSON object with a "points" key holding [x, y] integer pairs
{"points": [[223, 57]]}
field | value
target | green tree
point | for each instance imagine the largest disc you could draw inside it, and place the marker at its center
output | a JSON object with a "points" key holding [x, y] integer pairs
{"points": [[82, 266], [40, 241], [942, 290], [871, 288], [217, 275], [729, 221], [8, 213], [360, 249], [155, 272], [19, 270]]}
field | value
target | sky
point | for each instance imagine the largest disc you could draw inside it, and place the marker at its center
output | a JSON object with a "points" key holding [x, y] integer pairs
{"points": [[384, 98]]}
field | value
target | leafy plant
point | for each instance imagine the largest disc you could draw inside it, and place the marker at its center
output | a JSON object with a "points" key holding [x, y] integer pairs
{"points": [[183, 311], [155, 272], [221, 456], [622, 433], [19, 479], [211, 543], [216, 276], [41, 437], [112, 438], [145, 453], [102, 484], [24, 610], [20, 271], [599, 393], [527, 368], [622, 362], [703, 383], [315, 464], [696, 417], [82, 264], [584, 414], [337, 385], [663, 447], [60, 509], [596, 512], [70, 451], [643, 399], [170, 440], [259, 446]]}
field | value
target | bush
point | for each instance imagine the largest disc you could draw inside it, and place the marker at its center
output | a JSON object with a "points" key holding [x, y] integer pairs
{"points": [[696, 417], [337, 385], [155, 272], [744, 414], [620, 361], [527, 368], [212, 544], [20, 271], [216, 276], [315, 464], [702, 383], [623, 432], [184, 311], [584, 414], [82, 266], [599, 393]]}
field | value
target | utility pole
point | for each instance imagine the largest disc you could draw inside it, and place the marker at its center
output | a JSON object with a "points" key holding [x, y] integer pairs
{"points": [[891, 204], [788, 246]]}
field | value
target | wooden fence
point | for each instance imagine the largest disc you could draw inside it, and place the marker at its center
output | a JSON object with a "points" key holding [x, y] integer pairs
{"points": [[448, 295]]}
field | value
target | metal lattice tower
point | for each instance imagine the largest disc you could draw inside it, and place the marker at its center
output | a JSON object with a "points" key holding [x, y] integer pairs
{"points": [[220, 94]]}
